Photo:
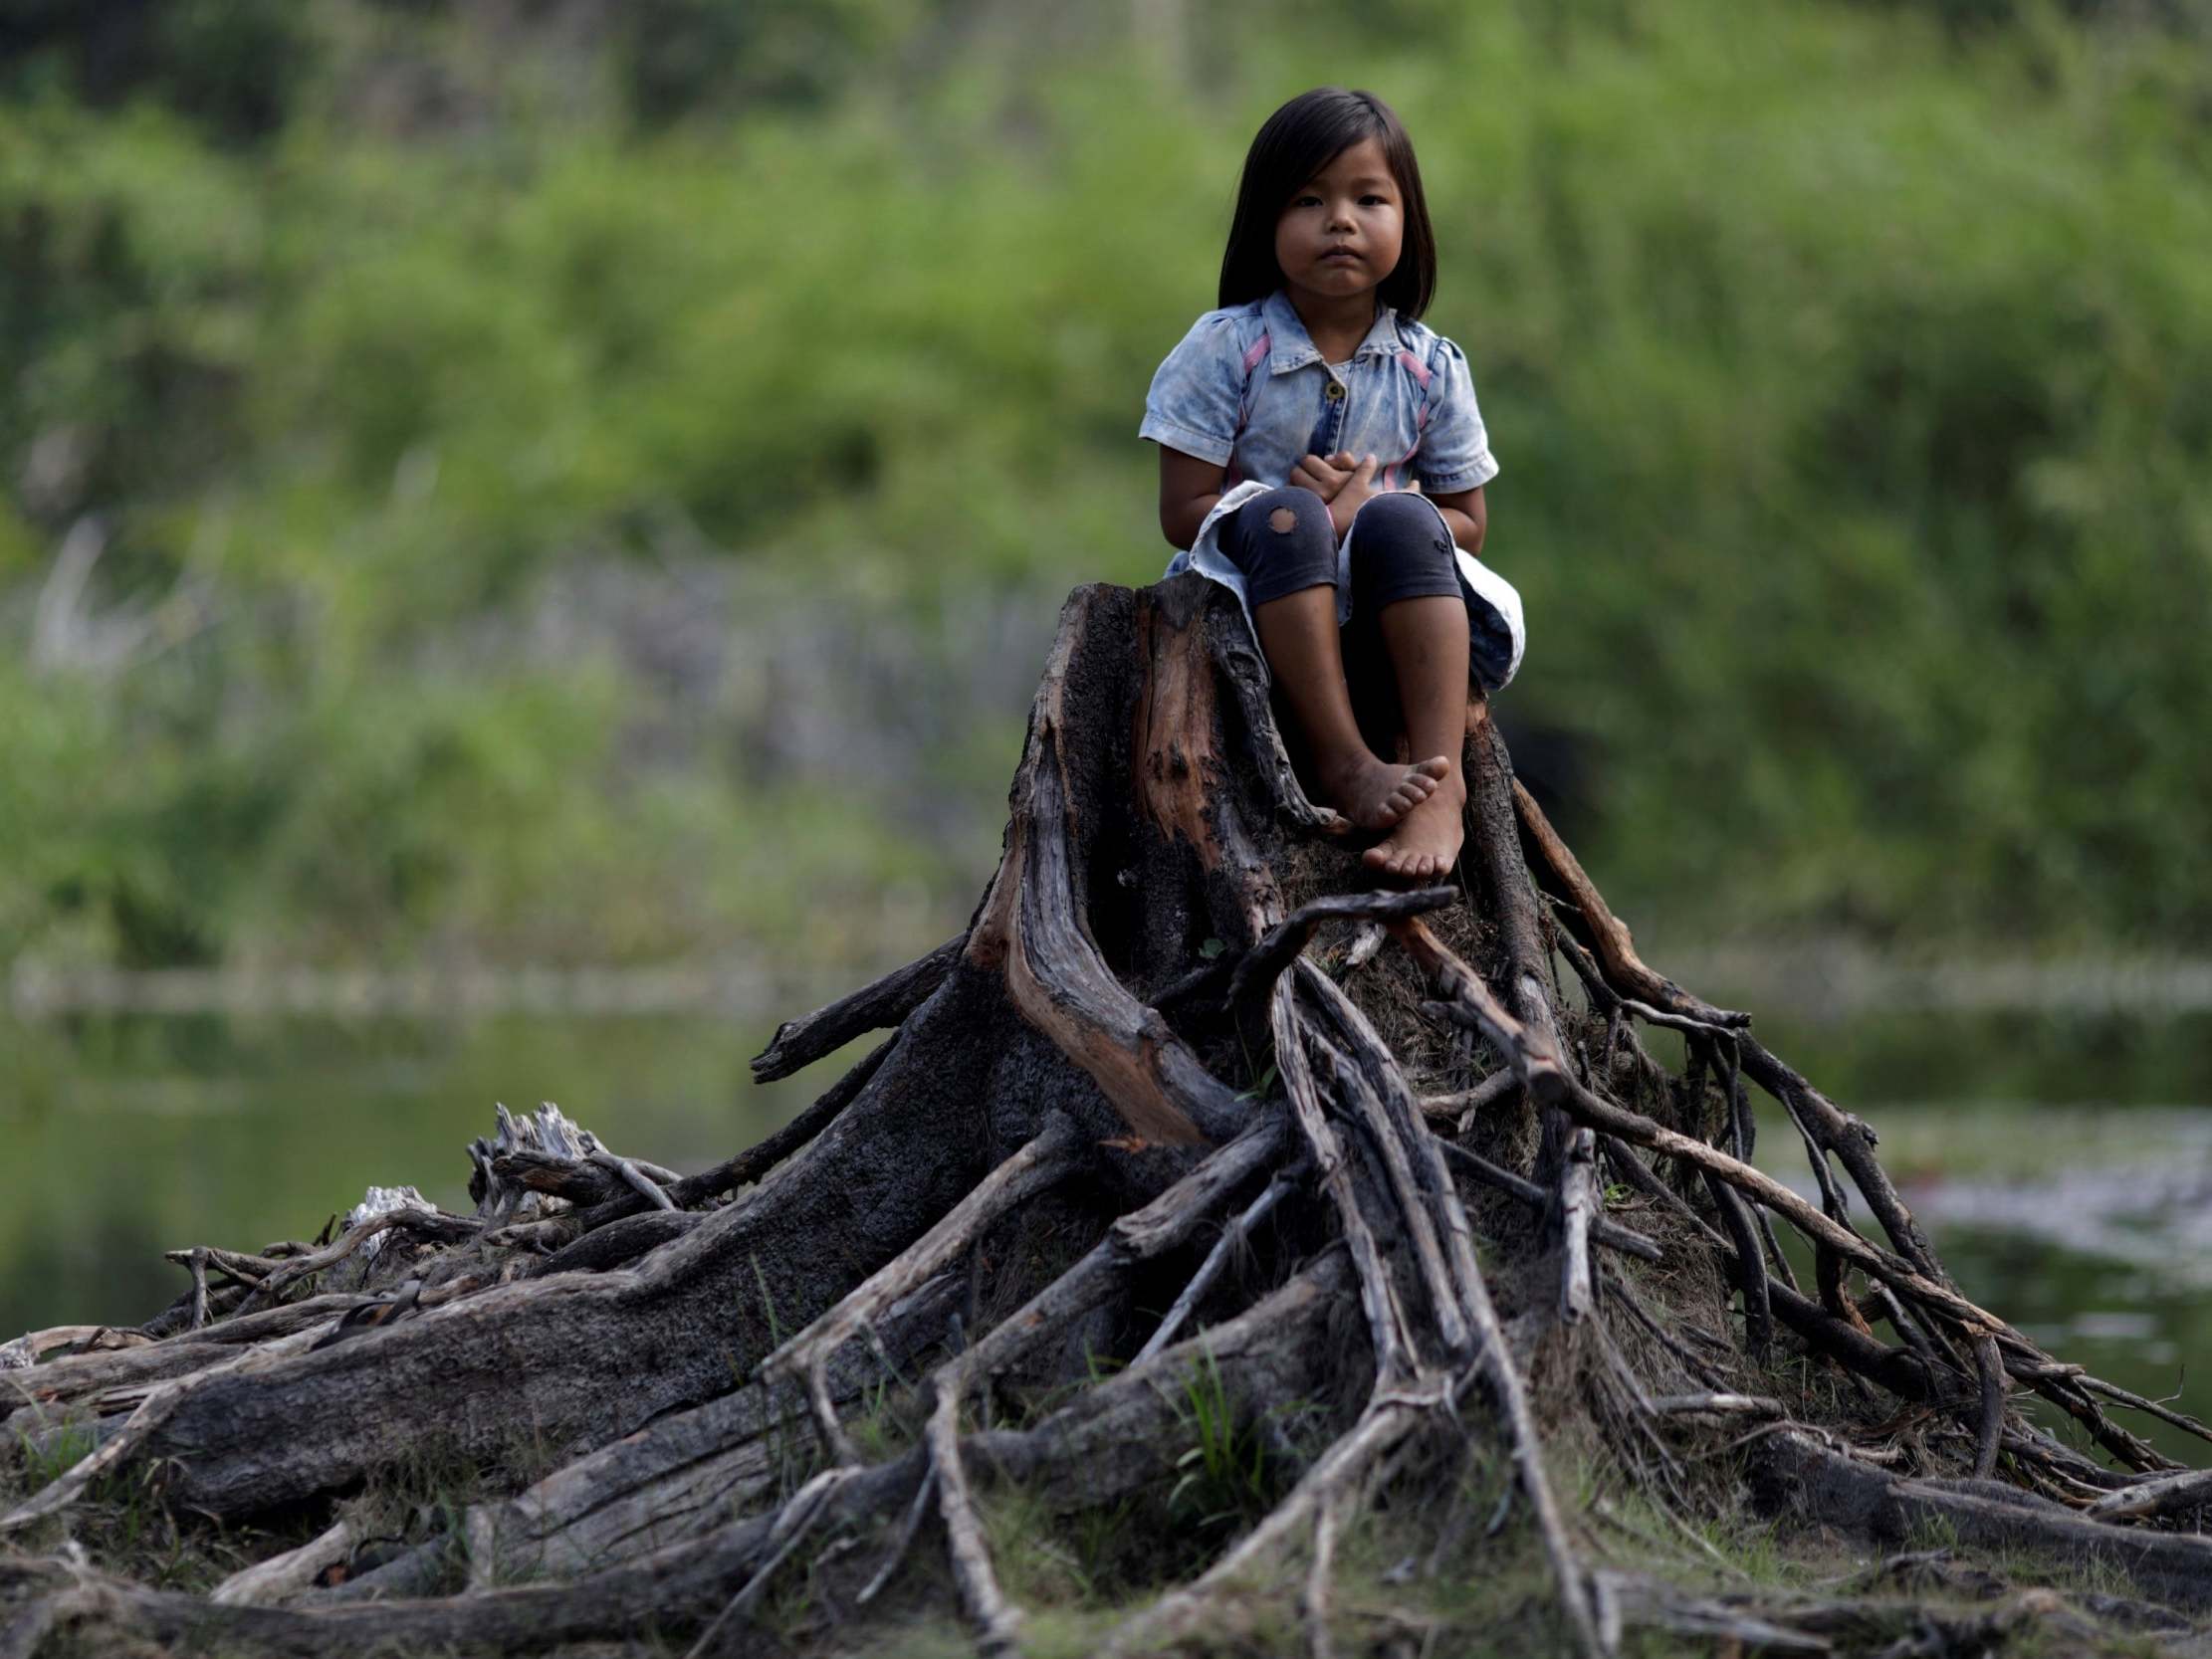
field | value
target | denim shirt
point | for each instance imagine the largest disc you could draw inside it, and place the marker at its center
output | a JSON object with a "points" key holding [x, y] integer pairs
{"points": [[1247, 390]]}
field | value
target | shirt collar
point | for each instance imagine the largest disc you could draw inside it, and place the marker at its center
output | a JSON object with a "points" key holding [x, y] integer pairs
{"points": [[1290, 347]]}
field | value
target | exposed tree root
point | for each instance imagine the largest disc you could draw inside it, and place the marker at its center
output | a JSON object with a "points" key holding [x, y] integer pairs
{"points": [[1188, 1161]]}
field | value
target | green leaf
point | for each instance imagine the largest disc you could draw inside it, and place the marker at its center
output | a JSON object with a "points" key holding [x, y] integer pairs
{"points": [[1265, 1082]]}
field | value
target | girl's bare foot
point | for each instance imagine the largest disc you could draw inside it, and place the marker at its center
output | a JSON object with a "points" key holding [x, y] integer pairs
{"points": [[1425, 844], [1376, 794]]}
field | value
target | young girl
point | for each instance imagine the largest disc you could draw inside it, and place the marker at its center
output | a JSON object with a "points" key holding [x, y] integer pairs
{"points": [[1321, 453]]}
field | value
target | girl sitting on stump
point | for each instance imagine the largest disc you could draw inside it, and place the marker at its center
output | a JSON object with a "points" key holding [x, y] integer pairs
{"points": [[1321, 453]]}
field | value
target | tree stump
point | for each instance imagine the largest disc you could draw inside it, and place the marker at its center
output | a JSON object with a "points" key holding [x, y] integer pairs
{"points": [[1192, 1161]]}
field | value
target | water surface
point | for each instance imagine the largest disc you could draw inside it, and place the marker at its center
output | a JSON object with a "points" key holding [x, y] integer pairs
{"points": [[124, 1136]]}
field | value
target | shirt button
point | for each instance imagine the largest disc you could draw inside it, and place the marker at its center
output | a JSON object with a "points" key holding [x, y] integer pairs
{"points": [[1335, 392]]}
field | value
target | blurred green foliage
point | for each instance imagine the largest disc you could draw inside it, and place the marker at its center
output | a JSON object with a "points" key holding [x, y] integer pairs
{"points": [[1851, 368]]}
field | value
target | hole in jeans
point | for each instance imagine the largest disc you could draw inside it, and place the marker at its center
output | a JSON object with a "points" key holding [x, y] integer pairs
{"points": [[1282, 520]]}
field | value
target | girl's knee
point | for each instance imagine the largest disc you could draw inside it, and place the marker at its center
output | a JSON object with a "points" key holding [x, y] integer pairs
{"points": [[1401, 550], [1277, 519], [1399, 516], [1289, 508], [1283, 541]]}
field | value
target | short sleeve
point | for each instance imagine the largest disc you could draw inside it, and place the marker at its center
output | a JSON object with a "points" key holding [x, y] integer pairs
{"points": [[1197, 393], [1455, 448]]}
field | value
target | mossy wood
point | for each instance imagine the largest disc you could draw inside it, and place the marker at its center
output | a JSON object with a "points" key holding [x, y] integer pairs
{"points": [[1190, 1145]]}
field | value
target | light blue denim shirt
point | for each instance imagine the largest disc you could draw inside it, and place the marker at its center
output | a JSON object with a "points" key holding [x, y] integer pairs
{"points": [[1247, 390]]}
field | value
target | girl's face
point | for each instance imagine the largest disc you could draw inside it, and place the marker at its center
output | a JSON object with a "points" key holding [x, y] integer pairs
{"points": [[1340, 233]]}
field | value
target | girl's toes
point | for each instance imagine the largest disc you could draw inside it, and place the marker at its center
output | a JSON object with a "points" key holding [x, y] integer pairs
{"points": [[1436, 768]]}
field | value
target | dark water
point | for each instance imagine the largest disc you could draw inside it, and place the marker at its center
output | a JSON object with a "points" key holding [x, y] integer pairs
{"points": [[124, 1136], [2065, 1168]]}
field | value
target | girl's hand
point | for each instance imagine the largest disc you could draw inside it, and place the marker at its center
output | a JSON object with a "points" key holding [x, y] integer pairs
{"points": [[1324, 478], [1353, 494]]}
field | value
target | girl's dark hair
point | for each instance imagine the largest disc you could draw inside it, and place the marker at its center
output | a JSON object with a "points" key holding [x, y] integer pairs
{"points": [[1297, 141]]}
